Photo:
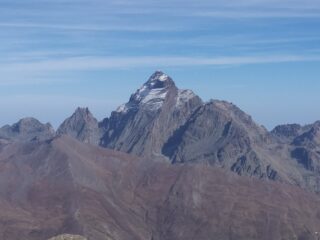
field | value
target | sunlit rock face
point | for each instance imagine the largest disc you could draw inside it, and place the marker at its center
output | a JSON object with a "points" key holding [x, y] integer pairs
{"points": [[153, 113]]}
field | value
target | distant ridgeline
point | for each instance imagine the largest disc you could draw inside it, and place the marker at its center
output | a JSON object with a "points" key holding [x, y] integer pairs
{"points": [[164, 166], [161, 120]]}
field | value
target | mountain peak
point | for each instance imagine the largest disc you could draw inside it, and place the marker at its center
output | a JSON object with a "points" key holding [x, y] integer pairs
{"points": [[151, 94], [28, 123], [159, 75], [159, 80], [81, 125], [155, 88], [27, 129], [83, 111]]}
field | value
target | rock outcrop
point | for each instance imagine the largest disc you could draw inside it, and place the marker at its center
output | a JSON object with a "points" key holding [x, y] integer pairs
{"points": [[27, 129], [160, 120], [153, 113], [82, 126]]}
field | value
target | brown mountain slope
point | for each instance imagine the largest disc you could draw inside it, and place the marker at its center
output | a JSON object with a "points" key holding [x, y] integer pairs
{"points": [[68, 237], [64, 186]]}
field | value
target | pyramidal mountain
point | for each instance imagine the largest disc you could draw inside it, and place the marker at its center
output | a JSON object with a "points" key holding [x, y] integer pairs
{"points": [[162, 121], [82, 126], [153, 113], [163, 166]]}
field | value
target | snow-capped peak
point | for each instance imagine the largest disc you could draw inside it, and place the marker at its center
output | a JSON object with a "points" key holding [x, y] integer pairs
{"points": [[158, 76], [159, 80], [163, 77], [152, 94]]}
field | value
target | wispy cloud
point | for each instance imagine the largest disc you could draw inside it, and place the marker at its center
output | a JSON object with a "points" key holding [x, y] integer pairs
{"points": [[99, 63], [256, 13], [93, 28], [92, 63]]}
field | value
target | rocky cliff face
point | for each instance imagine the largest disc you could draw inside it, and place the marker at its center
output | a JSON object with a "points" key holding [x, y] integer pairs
{"points": [[153, 113], [221, 134], [286, 133], [27, 129], [160, 120], [302, 144], [82, 126]]}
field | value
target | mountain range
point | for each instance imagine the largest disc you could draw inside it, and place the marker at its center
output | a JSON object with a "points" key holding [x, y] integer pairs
{"points": [[164, 165]]}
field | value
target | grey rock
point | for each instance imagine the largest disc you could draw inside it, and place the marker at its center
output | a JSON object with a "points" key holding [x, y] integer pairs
{"points": [[286, 133], [306, 149], [302, 144], [220, 134], [160, 120], [155, 122], [82, 126], [153, 113], [27, 129]]}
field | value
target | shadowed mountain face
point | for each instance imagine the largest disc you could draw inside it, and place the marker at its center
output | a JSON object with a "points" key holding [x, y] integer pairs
{"points": [[287, 133], [153, 113], [65, 186], [221, 134], [25, 130], [302, 144]]}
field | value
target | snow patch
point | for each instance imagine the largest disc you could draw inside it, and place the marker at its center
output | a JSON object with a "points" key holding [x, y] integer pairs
{"points": [[163, 77], [154, 94], [159, 77], [145, 95], [183, 97], [150, 98], [122, 108]]}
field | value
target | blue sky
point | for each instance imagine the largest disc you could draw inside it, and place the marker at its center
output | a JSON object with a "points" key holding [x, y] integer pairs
{"points": [[262, 55]]}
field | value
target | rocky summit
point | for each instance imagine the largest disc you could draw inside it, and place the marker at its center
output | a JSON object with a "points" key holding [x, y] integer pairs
{"points": [[27, 129], [161, 120], [81, 125], [163, 166], [153, 113]]}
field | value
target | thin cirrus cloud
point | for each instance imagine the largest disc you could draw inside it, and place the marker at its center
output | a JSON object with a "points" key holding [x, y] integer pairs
{"points": [[60, 42], [92, 63], [116, 11], [223, 9], [89, 28], [101, 63], [258, 13]]}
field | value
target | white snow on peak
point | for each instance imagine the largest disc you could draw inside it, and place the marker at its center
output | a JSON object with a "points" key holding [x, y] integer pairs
{"points": [[159, 77], [122, 108], [184, 96], [163, 77], [146, 95], [150, 98]]}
